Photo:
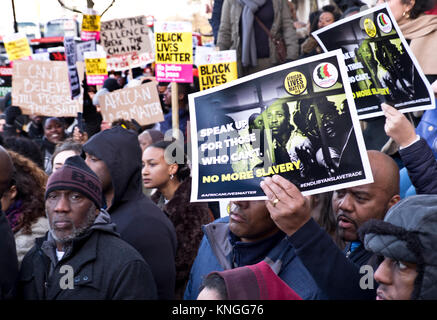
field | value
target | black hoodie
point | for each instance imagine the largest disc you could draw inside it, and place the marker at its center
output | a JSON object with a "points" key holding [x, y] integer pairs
{"points": [[138, 220]]}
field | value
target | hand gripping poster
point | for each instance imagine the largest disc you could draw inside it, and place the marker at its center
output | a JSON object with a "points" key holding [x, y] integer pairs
{"points": [[381, 66], [297, 120]]}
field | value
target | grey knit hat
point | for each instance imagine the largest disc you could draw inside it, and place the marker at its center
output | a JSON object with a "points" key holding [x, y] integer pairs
{"points": [[408, 233]]}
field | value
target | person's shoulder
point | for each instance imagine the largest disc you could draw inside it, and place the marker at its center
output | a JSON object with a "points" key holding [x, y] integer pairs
{"points": [[140, 214], [117, 248]]}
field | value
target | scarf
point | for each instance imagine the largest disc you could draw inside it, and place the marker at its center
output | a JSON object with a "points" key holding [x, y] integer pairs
{"points": [[13, 214], [249, 57], [422, 32]]}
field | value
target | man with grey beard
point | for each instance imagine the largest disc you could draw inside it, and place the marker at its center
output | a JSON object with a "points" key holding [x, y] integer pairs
{"points": [[82, 257]]}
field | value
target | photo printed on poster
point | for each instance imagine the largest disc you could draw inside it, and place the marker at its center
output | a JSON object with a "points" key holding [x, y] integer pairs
{"points": [[381, 67], [297, 120]]}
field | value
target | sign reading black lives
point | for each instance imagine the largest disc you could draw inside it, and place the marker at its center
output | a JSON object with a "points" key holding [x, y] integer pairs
{"points": [[380, 64], [297, 120]]}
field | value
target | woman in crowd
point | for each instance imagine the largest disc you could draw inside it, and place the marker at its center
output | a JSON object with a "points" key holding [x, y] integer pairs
{"points": [[54, 133], [317, 20], [173, 184], [240, 31], [65, 150], [419, 29], [23, 203]]}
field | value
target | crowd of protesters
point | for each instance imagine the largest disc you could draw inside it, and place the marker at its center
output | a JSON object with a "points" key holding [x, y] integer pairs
{"points": [[100, 202]]}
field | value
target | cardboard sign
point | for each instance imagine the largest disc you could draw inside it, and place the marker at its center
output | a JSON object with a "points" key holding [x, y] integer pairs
{"points": [[174, 51], [128, 43], [381, 66], [90, 26], [287, 120], [95, 67], [140, 103], [5, 80], [70, 53], [43, 88], [129, 61], [216, 67], [83, 47], [17, 46]]}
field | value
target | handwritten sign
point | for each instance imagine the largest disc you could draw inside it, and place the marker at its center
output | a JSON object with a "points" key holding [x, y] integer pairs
{"points": [[127, 41], [90, 26], [43, 88], [128, 61], [174, 51], [17, 46], [140, 103], [95, 67], [216, 67]]}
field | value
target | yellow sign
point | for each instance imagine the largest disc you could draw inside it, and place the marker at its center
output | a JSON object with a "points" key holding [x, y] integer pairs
{"points": [[295, 83], [174, 47], [212, 75], [370, 27], [91, 22], [95, 66], [17, 48]]}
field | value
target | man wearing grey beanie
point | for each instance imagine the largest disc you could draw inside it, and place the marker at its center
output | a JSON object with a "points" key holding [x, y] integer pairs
{"points": [[407, 241], [82, 257]]}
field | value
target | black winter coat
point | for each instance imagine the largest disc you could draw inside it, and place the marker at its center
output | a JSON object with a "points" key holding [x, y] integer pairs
{"points": [[138, 220], [105, 268], [188, 219]]}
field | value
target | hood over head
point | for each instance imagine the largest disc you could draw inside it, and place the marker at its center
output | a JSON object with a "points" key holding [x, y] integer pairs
{"points": [[120, 150], [408, 233]]}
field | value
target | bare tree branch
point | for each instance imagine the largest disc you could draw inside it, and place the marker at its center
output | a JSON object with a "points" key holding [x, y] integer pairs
{"points": [[68, 8], [107, 8], [90, 5]]}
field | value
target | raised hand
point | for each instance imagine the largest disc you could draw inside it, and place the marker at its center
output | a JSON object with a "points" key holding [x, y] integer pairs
{"points": [[398, 127], [289, 209]]}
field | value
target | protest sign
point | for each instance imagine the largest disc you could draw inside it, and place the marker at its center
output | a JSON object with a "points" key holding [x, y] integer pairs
{"points": [[43, 88], [140, 103], [128, 43], [17, 46], [90, 26], [381, 66], [216, 67], [297, 120], [5, 80], [82, 47], [129, 61], [70, 54], [95, 67], [174, 51]]}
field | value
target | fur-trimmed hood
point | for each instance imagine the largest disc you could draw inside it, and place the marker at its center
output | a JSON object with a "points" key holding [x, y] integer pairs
{"points": [[409, 233]]}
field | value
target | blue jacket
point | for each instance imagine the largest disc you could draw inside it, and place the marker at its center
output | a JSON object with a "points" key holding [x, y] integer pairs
{"points": [[337, 274], [220, 250], [422, 166]]}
